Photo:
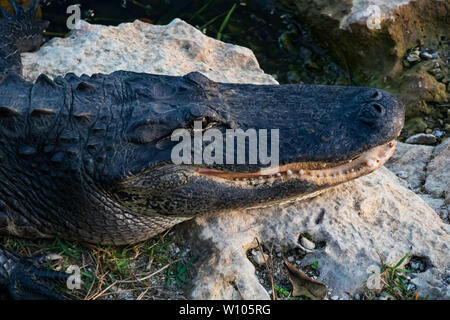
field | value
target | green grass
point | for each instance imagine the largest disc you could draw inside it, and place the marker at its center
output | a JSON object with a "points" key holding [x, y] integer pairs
{"points": [[394, 282], [225, 22], [107, 271], [179, 274]]}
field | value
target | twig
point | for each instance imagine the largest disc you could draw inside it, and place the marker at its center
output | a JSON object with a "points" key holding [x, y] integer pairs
{"points": [[271, 271], [158, 271]]}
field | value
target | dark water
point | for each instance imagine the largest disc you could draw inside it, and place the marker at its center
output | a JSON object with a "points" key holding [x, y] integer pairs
{"points": [[283, 47]]}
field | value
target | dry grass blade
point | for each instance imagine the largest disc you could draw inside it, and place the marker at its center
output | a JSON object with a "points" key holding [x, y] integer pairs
{"points": [[159, 270]]}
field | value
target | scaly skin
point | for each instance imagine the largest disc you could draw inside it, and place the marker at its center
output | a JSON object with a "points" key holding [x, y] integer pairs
{"points": [[88, 158]]}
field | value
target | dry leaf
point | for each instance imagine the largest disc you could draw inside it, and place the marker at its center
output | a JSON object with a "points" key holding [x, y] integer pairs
{"points": [[304, 285]]}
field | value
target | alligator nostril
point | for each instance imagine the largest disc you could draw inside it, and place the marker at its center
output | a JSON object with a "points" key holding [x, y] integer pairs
{"points": [[378, 108], [371, 113], [376, 95]]}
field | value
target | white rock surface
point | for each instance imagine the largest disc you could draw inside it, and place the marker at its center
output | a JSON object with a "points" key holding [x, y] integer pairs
{"points": [[412, 160], [438, 171], [358, 221], [174, 49], [425, 170], [371, 12]]}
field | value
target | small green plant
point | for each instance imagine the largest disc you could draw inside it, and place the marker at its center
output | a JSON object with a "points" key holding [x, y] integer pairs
{"points": [[282, 292], [393, 280], [179, 273], [315, 265], [394, 277]]}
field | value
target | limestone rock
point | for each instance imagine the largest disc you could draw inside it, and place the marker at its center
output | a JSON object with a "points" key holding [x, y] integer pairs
{"points": [[433, 283], [174, 49], [358, 221], [438, 171], [412, 159], [414, 165]]}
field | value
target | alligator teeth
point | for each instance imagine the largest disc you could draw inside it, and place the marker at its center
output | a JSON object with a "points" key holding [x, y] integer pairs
{"points": [[365, 163]]}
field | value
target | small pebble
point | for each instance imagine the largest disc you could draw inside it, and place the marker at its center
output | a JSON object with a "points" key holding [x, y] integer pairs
{"points": [[308, 244], [402, 175], [426, 56], [413, 57], [438, 133], [260, 258]]}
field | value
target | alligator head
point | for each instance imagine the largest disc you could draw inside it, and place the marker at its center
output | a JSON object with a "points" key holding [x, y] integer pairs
{"points": [[327, 135], [98, 152]]}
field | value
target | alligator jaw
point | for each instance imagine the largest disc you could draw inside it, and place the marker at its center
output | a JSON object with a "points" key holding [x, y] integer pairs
{"points": [[326, 173]]}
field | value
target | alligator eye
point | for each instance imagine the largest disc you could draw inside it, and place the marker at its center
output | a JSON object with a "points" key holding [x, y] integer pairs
{"points": [[207, 123]]}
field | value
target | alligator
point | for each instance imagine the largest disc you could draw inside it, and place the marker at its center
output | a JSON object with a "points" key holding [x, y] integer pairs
{"points": [[88, 158]]}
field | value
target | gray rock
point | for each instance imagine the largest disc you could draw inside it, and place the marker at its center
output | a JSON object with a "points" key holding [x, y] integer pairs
{"points": [[433, 283], [422, 138], [410, 161], [402, 175], [438, 172]]}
